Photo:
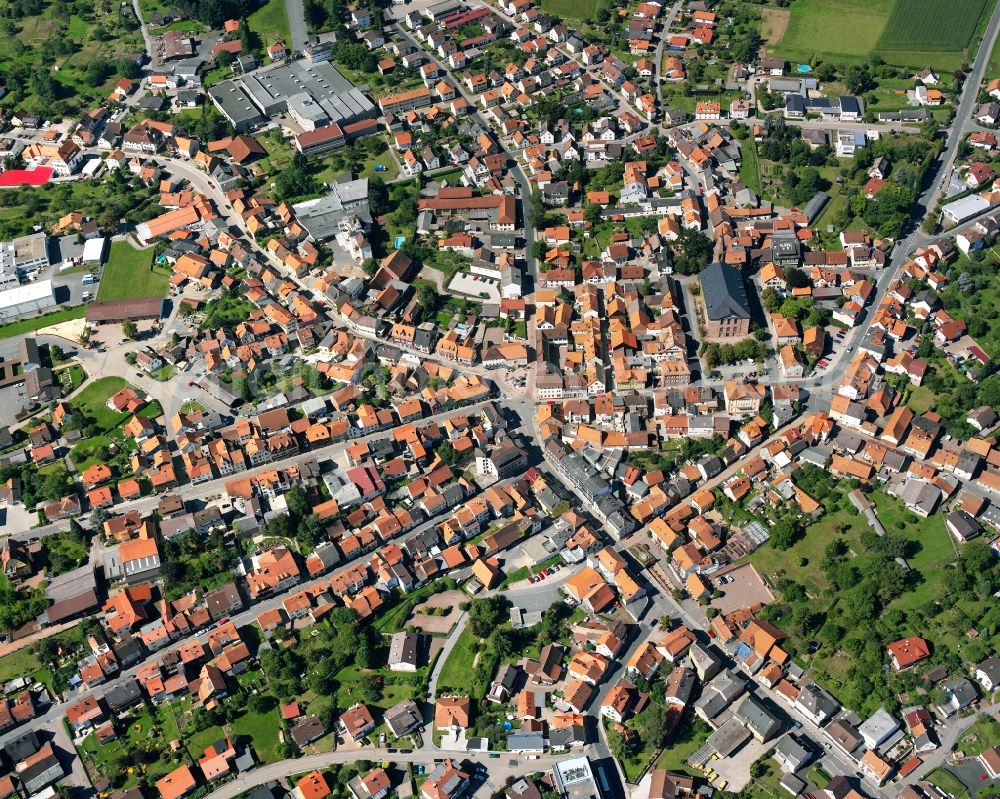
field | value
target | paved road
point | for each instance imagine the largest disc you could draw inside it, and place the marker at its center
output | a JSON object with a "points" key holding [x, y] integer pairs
{"points": [[499, 769], [658, 63], [190, 492], [147, 41], [296, 25]]}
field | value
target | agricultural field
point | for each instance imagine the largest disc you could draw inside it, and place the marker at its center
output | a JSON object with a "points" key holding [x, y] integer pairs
{"points": [[572, 9], [834, 29], [923, 26], [131, 273], [913, 33]]}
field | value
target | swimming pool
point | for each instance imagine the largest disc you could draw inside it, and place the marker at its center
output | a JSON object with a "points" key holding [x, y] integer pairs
{"points": [[400, 241], [804, 68]]}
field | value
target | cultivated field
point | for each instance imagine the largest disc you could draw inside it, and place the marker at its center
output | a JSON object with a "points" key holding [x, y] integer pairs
{"points": [[907, 32], [773, 23], [572, 9], [834, 29], [930, 26]]}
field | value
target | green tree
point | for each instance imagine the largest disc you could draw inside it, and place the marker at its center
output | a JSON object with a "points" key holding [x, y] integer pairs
{"points": [[486, 614], [785, 533]]}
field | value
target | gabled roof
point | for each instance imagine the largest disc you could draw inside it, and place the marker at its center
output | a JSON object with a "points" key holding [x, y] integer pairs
{"points": [[724, 292]]}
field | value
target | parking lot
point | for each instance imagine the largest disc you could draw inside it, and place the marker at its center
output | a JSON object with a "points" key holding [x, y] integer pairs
{"points": [[743, 586]]}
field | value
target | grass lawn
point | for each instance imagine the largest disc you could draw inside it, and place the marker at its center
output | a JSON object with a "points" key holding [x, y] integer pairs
{"points": [[837, 29], [93, 398], [389, 170], [96, 33], [392, 687], [21, 663], [143, 730], [993, 67], [749, 167], [767, 785], [948, 783], [572, 9], [980, 736], [931, 552], [975, 307], [130, 273], [332, 166], [270, 23], [260, 729], [63, 552], [818, 777], [456, 676], [689, 740], [24, 326], [934, 550], [279, 153], [163, 374], [451, 177], [393, 619], [771, 561], [86, 453]]}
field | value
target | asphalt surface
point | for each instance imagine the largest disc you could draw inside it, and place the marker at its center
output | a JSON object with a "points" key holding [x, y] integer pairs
{"points": [[296, 24]]}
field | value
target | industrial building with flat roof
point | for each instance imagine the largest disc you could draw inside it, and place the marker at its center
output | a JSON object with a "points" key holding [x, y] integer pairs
{"points": [[27, 300], [314, 94], [22, 255], [322, 217]]}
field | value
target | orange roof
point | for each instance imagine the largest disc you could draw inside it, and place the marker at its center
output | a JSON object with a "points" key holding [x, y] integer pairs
{"points": [[177, 783], [313, 786], [908, 651], [137, 549]]}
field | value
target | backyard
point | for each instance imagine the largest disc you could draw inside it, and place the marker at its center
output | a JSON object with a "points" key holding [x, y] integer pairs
{"points": [[458, 673], [92, 400], [106, 200], [822, 579], [131, 273]]}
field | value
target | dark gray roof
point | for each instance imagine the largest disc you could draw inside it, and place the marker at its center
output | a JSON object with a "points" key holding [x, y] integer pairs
{"points": [[724, 292], [123, 696]]}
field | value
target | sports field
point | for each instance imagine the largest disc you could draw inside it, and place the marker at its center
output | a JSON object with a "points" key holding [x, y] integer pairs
{"points": [[906, 32]]}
